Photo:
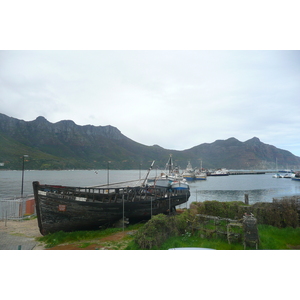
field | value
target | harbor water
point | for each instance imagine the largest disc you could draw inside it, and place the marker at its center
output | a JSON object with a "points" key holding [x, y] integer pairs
{"points": [[259, 187]]}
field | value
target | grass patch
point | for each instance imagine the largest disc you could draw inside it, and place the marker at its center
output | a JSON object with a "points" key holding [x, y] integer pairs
{"points": [[29, 217], [198, 242], [84, 245], [189, 240], [61, 237], [274, 238], [271, 238], [162, 235]]}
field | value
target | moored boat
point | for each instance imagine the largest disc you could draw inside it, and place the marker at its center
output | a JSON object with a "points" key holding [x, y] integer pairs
{"points": [[179, 185], [284, 174], [296, 176], [170, 178], [189, 173], [200, 175], [286, 171], [87, 208], [277, 176], [220, 172]]}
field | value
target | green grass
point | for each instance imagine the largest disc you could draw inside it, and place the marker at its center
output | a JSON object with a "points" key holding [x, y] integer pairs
{"points": [[279, 238], [216, 243], [84, 245], [192, 241], [271, 238], [61, 237], [29, 217]]}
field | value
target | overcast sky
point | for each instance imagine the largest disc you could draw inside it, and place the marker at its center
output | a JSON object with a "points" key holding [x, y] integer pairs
{"points": [[176, 99]]}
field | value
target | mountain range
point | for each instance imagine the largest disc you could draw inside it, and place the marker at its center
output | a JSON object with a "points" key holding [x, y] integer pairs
{"points": [[65, 145]]}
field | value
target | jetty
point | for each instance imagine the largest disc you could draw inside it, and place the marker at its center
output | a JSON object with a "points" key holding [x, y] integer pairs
{"points": [[247, 172]]}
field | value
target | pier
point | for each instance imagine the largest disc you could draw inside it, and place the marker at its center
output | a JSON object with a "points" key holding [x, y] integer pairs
{"points": [[248, 172]]}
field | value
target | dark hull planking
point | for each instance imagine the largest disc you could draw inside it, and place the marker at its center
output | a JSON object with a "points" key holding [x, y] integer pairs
{"points": [[71, 209]]}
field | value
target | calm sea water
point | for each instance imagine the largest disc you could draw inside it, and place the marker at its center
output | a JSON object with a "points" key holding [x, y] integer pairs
{"points": [[260, 188]]}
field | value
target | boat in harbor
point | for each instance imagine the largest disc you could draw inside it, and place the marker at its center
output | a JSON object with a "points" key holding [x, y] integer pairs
{"points": [[199, 175], [189, 173], [86, 208], [220, 172], [282, 175], [179, 184], [286, 171], [296, 176], [277, 175], [170, 178]]}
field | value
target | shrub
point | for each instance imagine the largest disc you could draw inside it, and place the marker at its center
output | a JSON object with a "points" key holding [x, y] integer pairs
{"points": [[220, 209], [280, 214], [156, 231]]}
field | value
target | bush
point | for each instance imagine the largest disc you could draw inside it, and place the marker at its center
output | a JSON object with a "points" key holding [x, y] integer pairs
{"points": [[229, 210], [279, 213], [156, 231]]}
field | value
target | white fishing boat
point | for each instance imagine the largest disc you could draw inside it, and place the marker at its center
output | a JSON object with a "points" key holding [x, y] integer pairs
{"points": [[220, 172], [288, 175], [296, 176], [179, 185], [200, 174], [170, 178], [283, 173], [189, 173], [286, 171], [277, 176]]}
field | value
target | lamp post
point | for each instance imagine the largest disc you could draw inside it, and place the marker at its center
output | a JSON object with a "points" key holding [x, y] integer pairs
{"points": [[23, 175], [21, 204], [108, 172], [140, 171]]}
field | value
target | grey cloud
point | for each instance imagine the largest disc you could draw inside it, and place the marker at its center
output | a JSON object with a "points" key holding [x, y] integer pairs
{"points": [[177, 99]]}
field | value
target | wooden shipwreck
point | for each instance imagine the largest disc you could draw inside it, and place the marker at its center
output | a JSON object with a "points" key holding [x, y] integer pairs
{"points": [[87, 208]]}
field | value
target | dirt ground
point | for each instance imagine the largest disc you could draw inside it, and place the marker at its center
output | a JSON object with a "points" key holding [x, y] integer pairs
{"points": [[106, 243], [29, 228], [25, 228]]}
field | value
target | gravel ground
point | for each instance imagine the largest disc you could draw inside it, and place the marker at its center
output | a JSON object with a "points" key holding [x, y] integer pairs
{"points": [[20, 235]]}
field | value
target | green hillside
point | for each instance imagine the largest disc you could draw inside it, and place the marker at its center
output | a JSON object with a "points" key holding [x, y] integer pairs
{"points": [[65, 145]]}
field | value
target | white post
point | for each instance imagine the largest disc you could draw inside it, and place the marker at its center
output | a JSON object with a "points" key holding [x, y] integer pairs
{"points": [[123, 209]]}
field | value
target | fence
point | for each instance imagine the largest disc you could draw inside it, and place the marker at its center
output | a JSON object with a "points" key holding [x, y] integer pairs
{"points": [[17, 208], [244, 230]]}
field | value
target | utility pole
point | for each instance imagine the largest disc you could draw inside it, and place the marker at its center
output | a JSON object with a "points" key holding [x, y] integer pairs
{"points": [[108, 172], [22, 187]]}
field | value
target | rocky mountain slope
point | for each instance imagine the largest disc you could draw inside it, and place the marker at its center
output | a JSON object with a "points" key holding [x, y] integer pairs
{"points": [[65, 145]]}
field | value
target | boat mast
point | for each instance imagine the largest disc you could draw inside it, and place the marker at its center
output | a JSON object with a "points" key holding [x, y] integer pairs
{"points": [[169, 165], [148, 173]]}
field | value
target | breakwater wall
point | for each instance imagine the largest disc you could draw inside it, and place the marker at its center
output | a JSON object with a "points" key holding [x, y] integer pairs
{"points": [[248, 172]]}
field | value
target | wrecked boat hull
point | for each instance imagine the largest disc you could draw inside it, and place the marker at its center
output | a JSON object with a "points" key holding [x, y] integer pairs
{"points": [[75, 208]]}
